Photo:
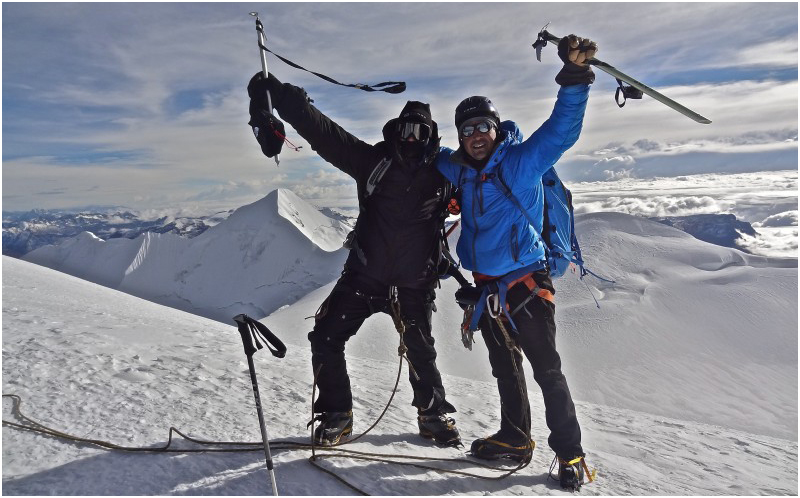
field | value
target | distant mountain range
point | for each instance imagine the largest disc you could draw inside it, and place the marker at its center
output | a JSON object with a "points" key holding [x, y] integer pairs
{"points": [[263, 256], [25, 231]]}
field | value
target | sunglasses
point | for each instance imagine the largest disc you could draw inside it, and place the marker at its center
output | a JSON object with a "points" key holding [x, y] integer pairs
{"points": [[419, 131], [483, 127]]}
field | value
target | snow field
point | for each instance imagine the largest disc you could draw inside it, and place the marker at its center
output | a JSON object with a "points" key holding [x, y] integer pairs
{"points": [[101, 364]]}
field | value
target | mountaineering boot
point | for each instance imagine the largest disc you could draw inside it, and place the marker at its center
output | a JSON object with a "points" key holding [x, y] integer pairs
{"points": [[498, 446], [333, 427], [439, 427], [570, 473]]}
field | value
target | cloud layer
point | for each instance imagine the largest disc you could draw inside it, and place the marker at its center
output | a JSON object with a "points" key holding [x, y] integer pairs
{"points": [[144, 104]]}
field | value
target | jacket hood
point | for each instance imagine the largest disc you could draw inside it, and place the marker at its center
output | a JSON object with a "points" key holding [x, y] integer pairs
{"points": [[511, 131], [430, 150], [388, 131]]}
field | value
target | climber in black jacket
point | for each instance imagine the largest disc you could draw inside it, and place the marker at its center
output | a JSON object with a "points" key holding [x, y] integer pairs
{"points": [[397, 244]]}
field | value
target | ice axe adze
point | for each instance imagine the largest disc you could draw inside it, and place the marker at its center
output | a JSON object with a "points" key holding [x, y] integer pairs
{"points": [[262, 44], [636, 88], [251, 331]]}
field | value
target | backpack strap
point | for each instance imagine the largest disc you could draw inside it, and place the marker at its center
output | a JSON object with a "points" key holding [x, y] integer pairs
{"points": [[351, 241], [376, 175], [502, 187], [497, 180]]}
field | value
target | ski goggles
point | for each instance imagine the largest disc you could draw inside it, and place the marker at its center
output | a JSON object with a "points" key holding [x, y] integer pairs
{"points": [[420, 131], [483, 127]]}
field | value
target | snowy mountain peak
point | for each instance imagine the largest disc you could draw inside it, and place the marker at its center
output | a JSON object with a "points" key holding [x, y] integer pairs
{"points": [[265, 255], [326, 233]]}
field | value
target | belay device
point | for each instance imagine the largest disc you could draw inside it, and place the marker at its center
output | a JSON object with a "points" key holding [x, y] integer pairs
{"points": [[634, 91], [251, 331]]}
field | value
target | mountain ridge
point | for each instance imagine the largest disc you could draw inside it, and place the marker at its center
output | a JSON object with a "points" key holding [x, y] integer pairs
{"points": [[263, 256]]}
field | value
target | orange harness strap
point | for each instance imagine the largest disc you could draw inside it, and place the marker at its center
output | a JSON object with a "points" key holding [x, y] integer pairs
{"points": [[534, 288]]}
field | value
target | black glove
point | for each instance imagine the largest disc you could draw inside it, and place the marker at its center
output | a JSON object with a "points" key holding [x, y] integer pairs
{"points": [[468, 295], [268, 129], [574, 51], [258, 87]]}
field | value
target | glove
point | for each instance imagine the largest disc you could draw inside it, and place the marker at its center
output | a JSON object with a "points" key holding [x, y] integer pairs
{"points": [[574, 52], [453, 207], [258, 87], [269, 130], [468, 295]]}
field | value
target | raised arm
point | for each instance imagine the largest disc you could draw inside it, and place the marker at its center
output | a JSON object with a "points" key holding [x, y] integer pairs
{"points": [[332, 142], [563, 127]]}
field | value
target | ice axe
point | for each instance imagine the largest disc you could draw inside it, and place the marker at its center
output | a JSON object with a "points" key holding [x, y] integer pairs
{"points": [[262, 48], [634, 91], [251, 331]]}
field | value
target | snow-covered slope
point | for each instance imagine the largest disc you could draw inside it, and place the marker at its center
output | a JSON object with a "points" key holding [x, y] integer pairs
{"points": [[101, 364], [690, 330], [264, 256]]}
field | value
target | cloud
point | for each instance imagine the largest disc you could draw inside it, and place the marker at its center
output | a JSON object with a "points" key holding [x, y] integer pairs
{"points": [[785, 219], [615, 168], [776, 53], [751, 196], [150, 110], [658, 205], [772, 242]]}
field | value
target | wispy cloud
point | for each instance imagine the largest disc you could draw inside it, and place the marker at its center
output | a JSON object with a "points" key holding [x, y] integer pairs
{"points": [[141, 104]]}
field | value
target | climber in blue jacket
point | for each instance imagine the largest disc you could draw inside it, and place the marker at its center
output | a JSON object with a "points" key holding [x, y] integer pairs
{"points": [[503, 248]]}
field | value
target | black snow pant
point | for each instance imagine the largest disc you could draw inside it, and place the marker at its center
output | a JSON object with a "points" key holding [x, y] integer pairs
{"points": [[354, 298], [536, 325]]}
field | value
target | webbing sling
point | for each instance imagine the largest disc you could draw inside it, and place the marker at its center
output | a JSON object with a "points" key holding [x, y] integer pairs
{"points": [[390, 86]]}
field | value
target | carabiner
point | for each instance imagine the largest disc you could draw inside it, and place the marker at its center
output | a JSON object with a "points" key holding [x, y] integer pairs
{"points": [[493, 305]]}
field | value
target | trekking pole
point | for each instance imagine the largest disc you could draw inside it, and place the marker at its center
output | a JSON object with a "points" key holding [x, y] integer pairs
{"points": [[262, 48], [251, 330], [627, 92]]}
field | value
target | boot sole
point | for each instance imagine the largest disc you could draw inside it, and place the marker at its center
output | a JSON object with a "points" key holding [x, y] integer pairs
{"points": [[501, 456], [455, 443], [517, 457], [343, 437]]}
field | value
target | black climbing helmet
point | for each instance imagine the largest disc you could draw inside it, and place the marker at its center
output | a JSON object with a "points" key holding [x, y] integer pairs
{"points": [[474, 107]]}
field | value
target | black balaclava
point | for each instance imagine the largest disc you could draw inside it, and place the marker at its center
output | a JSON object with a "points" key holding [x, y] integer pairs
{"points": [[412, 153]]}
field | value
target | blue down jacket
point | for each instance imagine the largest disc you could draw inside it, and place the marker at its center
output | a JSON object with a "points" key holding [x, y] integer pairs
{"points": [[496, 238]]}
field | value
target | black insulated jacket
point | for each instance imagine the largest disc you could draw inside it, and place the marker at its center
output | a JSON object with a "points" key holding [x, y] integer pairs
{"points": [[398, 232]]}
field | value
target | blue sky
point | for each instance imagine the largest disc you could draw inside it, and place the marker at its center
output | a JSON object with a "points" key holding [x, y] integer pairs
{"points": [[144, 104]]}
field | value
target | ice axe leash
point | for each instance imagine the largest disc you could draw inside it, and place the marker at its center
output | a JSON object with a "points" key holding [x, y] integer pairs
{"points": [[634, 91], [251, 331], [386, 86]]}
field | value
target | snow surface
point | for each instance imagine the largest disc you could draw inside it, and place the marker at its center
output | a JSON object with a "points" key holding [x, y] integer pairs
{"points": [[105, 365], [690, 330], [685, 380]]}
